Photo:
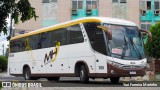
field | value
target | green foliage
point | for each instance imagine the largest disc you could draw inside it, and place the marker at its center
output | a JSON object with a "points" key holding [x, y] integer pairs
{"points": [[153, 48], [0, 85], [3, 63], [20, 9]]}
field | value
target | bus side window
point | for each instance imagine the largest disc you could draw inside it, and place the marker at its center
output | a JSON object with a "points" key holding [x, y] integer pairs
{"points": [[44, 40], [17, 45], [21, 44], [74, 34], [59, 35], [33, 41], [13, 46], [96, 37]]}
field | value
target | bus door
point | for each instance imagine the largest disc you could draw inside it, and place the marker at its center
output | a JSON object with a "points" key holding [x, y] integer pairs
{"points": [[98, 44]]}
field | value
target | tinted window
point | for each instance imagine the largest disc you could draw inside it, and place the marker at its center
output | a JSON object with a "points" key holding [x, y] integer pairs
{"points": [[17, 45], [96, 37], [33, 41], [59, 36], [74, 34], [45, 40], [13, 46]]}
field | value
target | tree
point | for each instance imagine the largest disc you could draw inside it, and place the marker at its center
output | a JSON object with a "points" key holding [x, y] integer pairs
{"points": [[153, 48], [19, 9], [3, 63]]}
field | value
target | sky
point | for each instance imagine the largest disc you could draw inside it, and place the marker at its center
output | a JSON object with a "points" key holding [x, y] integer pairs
{"points": [[3, 39]]}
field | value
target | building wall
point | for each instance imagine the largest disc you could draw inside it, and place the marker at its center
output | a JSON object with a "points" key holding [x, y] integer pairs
{"points": [[31, 24], [123, 11], [105, 8], [61, 10], [133, 11], [49, 13], [64, 10]]}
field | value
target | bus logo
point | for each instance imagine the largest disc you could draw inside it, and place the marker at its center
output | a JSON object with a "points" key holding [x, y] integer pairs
{"points": [[52, 54]]}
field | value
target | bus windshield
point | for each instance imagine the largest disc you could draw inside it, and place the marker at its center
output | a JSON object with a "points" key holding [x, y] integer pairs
{"points": [[126, 42]]}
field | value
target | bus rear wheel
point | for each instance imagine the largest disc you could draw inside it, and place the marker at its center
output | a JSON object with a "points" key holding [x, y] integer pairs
{"points": [[27, 74], [114, 80], [83, 74]]}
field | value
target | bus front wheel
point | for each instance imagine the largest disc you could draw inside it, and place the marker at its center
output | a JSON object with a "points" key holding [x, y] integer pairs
{"points": [[114, 80], [83, 74]]}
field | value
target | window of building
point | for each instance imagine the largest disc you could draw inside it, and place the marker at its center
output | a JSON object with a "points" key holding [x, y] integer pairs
{"points": [[143, 5], [74, 4], [114, 1], [122, 1], [45, 1], [157, 5], [92, 4], [119, 1], [145, 25], [148, 5], [77, 4], [80, 4], [74, 34]]}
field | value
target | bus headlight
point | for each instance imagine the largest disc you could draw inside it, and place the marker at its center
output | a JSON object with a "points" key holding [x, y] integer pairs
{"points": [[115, 63]]}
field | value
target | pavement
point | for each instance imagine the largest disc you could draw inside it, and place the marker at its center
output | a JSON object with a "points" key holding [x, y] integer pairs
{"points": [[3, 74]]}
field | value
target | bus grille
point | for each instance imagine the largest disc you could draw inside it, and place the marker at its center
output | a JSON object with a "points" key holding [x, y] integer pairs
{"points": [[131, 67]]}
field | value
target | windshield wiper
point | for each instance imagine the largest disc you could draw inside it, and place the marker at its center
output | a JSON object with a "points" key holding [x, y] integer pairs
{"points": [[124, 48], [135, 48]]}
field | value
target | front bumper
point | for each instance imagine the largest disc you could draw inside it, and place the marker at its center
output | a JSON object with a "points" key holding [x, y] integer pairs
{"points": [[114, 71]]}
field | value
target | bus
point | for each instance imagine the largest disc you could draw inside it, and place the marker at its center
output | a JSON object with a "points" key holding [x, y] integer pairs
{"points": [[90, 47]]}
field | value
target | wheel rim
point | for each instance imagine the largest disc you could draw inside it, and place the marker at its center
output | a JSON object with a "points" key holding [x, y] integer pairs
{"points": [[27, 75], [81, 74]]}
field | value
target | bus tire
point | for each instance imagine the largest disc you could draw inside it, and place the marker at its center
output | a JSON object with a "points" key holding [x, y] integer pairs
{"points": [[114, 80], [53, 78], [83, 74], [27, 74]]}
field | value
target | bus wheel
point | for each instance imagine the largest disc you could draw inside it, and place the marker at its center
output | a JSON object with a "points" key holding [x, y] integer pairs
{"points": [[114, 80], [83, 74], [27, 74], [53, 78]]}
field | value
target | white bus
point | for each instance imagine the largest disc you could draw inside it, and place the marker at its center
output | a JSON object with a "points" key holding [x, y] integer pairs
{"points": [[92, 47]]}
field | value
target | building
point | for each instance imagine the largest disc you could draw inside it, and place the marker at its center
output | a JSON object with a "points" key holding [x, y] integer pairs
{"points": [[150, 13], [142, 12]]}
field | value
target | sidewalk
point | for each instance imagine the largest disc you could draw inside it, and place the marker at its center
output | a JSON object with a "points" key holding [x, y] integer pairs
{"points": [[3, 74]]}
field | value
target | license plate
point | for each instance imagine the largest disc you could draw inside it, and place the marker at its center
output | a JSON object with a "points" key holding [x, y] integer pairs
{"points": [[132, 72]]}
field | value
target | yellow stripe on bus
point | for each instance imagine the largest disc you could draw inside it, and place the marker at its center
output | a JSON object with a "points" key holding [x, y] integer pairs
{"points": [[56, 27]]}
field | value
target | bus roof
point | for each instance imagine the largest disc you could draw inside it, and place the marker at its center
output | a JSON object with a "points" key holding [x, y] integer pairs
{"points": [[77, 21]]}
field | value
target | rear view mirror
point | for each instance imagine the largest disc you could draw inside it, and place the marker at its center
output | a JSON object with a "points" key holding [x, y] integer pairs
{"points": [[109, 33], [146, 33]]}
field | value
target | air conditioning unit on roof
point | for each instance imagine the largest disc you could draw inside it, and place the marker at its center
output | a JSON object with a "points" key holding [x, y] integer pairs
{"points": [[74, 12]]}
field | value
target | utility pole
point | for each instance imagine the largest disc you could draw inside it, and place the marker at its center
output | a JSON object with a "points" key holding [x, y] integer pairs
{"points": [[3, 49]]}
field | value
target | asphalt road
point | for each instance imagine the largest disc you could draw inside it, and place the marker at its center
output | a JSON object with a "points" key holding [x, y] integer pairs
{"points": [[65, 82], [73, 82]]}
